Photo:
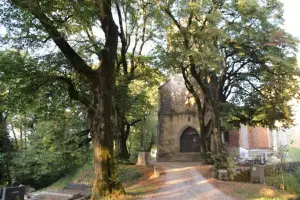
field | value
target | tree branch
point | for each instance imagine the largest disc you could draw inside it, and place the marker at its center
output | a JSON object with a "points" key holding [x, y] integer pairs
{"points": [[76, 61], [135, 122], [73, 93], [124, 46], [92, 40]]}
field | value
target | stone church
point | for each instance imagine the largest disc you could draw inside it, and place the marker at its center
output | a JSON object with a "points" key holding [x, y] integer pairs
{"points": [[178, 125], [178, 128]]}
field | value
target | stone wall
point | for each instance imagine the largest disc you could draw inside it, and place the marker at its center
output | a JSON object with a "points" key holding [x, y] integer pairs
{"points": [[241, 174], [170, 130]]}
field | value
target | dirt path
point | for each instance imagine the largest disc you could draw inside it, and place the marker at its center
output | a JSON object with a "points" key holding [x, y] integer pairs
{"points": [[183, 181]]}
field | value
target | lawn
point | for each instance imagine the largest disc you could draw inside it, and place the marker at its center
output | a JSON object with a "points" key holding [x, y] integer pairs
{"points": [[246, 191], [294, 154], [84, 175]]}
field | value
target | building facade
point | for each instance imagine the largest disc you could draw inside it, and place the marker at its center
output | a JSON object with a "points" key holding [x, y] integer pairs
{"points": [[178, 128]]}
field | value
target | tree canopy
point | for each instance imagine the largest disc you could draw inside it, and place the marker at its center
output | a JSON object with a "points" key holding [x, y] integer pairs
{"points": [[234, 53]]}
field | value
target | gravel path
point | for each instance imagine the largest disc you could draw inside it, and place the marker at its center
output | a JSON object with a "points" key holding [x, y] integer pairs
{"points": [[184, 182]]}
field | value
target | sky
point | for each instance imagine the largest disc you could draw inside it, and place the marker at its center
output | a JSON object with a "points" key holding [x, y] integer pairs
{"points": [[292, 17], [292, 21]]}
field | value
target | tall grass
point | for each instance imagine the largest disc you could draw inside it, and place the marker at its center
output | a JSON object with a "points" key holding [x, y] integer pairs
{"points": [[291, 182]]}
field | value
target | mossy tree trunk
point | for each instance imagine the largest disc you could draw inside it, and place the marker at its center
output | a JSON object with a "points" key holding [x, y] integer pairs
{"points": [[102, 129]]}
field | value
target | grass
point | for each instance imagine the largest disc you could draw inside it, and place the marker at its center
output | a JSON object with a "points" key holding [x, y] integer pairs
{"points": [[291, 182], [129, 173], [251, 191], [84, 175], [246, 191], [294, 153], [144, 188], [260, 192]]}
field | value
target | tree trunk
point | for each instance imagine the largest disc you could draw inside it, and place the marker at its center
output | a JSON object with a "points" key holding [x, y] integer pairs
{"points": [[100, 115], [204, 146], [101, 127], [15, 136], [25, 138], [142, 145], [216, 128], [121, 139], [21, 137], [213, 130], [121, 148]]}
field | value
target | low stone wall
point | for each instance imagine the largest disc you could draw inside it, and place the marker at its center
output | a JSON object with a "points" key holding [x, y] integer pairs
{"points": [[242, 174]]}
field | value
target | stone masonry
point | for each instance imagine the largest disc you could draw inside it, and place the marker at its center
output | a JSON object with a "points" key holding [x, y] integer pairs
{"points": [[177, 113]]}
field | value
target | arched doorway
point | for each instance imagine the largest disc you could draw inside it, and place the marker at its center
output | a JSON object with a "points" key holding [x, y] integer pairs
{"points": [[190, 140]]}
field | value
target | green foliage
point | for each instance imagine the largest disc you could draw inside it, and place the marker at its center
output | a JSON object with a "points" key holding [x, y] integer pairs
{"points": [[220, 160], [283, 152], [33, 27], [43, 120], [83, 175], [291, 182], [149, 135], [294, 154], [241, 46], [46, 158]]}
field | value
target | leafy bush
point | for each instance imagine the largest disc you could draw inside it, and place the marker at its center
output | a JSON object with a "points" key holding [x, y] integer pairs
{"points": [[220, 160]]}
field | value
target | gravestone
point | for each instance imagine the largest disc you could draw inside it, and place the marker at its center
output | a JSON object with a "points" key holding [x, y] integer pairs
{"points": [[257, 174], [222, 174], [143, 158], [13, 193]]}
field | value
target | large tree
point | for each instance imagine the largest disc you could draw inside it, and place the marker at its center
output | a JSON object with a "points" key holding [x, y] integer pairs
{"points": [[136, 30], [231, 52], [63, 22]]}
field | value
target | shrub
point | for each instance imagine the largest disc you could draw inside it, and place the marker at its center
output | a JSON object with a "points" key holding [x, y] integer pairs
{"points": [[220, 160]]}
